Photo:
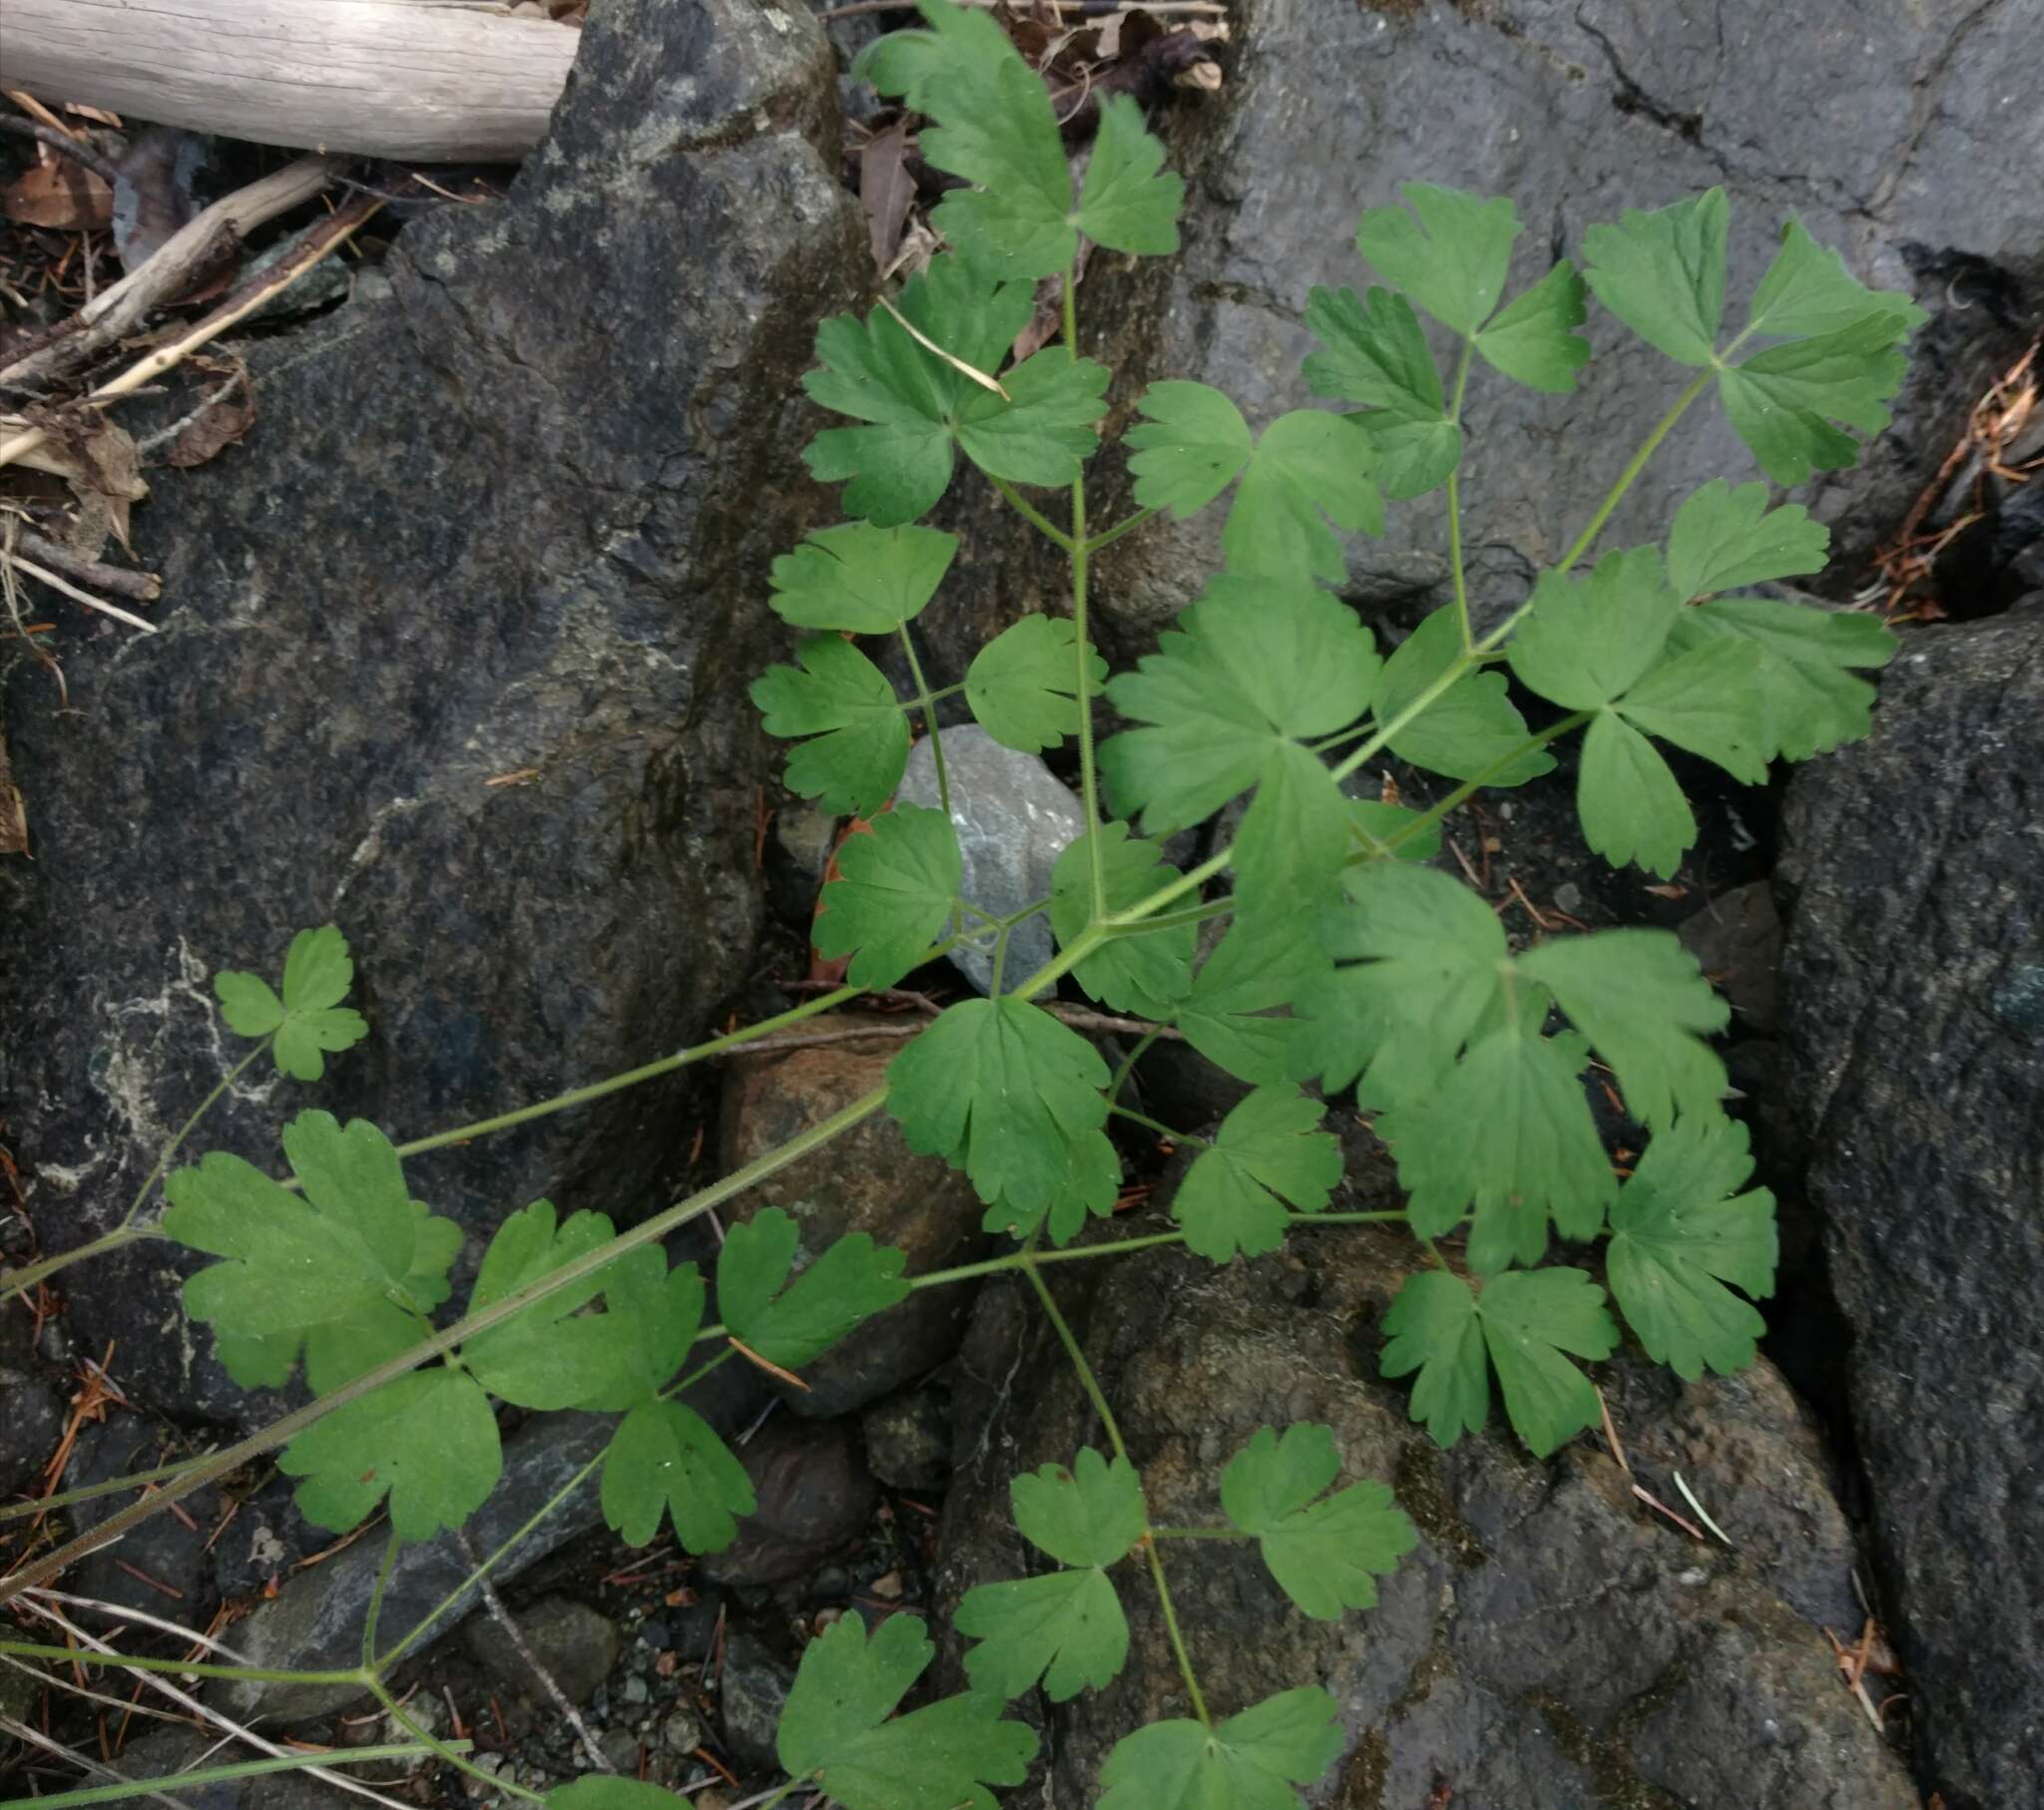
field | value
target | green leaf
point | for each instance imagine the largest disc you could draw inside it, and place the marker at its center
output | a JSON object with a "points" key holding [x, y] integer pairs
{"points": [[541, 1358], [1784, 400], [1248, 1762], [667, 1459], [789, 1323], [1252, 971], [599, 1793], [1066, 1629], [353, 1247], [1268, 1150], [1129, 201], [1525, 1321], [1069, 1624], [1306, 464], [1294, 839], [1326, 1552], [919, 408], [1451, 253], [1532, 340], [1092, 1514], [1808, 699], [845, 702], [1641, 1000], [1190, 445], [1707, 700], [863, 579], [995, 128], [1003, 1091], [834, 1729], [309, 1020], [1023, 686], [1662, 273], [900, 877], [653, 1314], [1373, 352], [1676, 1240], [1723, 537], [1505, 1132], [1391, 832], [428, 1441], [1587, 640], [1432, 1327], [1143, 974], [1631, 804], [1807, 289], [1252, 664], [1471, 728]]}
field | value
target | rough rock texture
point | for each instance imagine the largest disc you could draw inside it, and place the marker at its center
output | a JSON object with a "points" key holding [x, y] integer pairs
{"points": [[1550, 1643], [1870, 120], [1912, 998], [814, 1493], [576, 1645], [1014, 818], [31, 1407], [508, 510], [868, 1180]]}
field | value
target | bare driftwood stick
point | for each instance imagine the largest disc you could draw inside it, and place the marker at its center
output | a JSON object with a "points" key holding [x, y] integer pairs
{"points": [[175, 264], [423, 81], [123, 580]]}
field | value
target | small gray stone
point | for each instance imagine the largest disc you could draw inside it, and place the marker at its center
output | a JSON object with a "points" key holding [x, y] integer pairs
{"points": [[621, 1747], [635, 1691], [1014, 818], [1736, 941], [683, 1731], [908, 1437], [576, 1643], [754, 1690]]}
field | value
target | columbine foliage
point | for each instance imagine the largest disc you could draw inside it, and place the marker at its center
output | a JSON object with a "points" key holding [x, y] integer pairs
{"points": [[1342, 959]]}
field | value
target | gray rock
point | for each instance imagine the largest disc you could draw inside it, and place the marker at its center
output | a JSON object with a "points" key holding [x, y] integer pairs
{"points": [[515, 514], [576, 1645], [1913, 1014], [868, 1180], [164, 1548], [1532, 1649], [31, 1408], [683, 1731], [315, 1620], [752, 1691], [814, 1493], [168, 1751], [1578, 109], [908, 1437], [1014, 818]]}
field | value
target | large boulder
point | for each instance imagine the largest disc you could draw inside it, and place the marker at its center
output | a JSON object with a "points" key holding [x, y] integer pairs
{"points": [[1864, 118], [1551, 1644], [1913, 1011], [506, 517]]}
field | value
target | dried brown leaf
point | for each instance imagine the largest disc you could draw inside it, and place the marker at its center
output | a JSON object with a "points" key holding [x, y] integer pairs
{"points": [[13, 813], [886, 187], [58, 194]]}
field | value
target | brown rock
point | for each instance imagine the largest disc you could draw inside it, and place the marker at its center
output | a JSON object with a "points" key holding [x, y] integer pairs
{"points": [[814, 1493]]}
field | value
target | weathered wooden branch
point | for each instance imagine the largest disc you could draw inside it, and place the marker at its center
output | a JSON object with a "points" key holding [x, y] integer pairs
{"points": [[422, 81]]}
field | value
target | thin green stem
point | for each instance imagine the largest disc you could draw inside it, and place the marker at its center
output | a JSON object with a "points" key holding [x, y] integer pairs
{"points": [[1327, 744], [194, 1668], [1128, 1063], [1162, 1129], [929, 718], [1470, 788], [445, 1750], [238, 1769], [936, 696], [1662, 430], [1000, 961], [1025, 914], [545, 1511], [1033, 516], [1028, 1260], [1177, 1641], [19, 1281], [375, 1610], [1171, 920], [1455, 504], [1082, 650], [185, 1130], [1198, 1534], [281, 1431], [113, 1485], [1112, 534]]}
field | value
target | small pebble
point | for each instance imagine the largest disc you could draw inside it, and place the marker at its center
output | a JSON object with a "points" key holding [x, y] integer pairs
{"points": [[682, 1732], [654, 1633], [634, 1690]]}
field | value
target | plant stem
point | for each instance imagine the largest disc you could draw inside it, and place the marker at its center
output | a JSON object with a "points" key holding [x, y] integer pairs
{"points": [[185, 1130], [281, 1431], [1162, 1129], [1171, 920], [1662, 428], [1198, 1534], [1455, 503], [929, 719], [1031, 515], [1081, 648], [1114, 533], [936, 696], [19, 1281], [238, 1769], [195, 1668], [1177, 1641], [375, 1610], [1128, 1064], [396, 1713], [1470, 788]]}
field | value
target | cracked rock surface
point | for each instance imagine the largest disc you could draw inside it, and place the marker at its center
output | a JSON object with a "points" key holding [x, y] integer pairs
{"points": [[1550, 1644], [509, 512], [1908, 135]]}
